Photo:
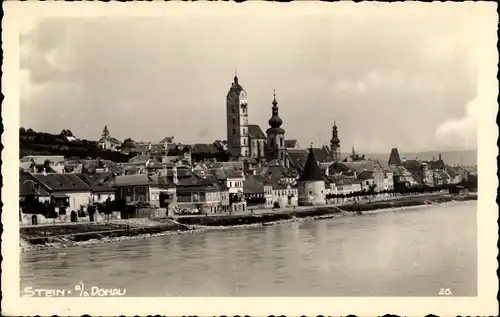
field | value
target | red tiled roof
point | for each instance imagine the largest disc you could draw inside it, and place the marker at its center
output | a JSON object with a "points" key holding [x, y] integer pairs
{"points": [[365, 175], [140, 180], [62, 182], [291, 143], [359, 166], [253, 184], [208, 148], [255, 132], [95, 183], [412, 164], [28, 186]]}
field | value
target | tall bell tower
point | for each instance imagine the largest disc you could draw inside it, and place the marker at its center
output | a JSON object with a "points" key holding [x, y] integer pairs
{"points": [[237, 120], [335, 143]]}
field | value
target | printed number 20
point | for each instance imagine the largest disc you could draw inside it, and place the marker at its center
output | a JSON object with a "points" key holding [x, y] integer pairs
{"points": [[445, 291]]}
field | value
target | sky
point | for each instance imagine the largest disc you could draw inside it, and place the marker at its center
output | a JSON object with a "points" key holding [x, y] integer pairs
{"points": [[390, 75]]}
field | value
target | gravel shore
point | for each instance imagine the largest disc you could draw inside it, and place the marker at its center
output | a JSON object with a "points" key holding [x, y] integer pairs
{"points": [[144, 224]]}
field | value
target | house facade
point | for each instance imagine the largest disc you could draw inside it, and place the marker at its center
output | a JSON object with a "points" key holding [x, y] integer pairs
{"points": [[285, 195]]}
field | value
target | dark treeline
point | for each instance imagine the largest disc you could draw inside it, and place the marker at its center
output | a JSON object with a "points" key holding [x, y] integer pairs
{"points": [[40, 143]]}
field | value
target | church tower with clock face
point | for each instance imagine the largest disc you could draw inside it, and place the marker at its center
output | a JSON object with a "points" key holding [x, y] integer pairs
{"points": [[237, 120]]}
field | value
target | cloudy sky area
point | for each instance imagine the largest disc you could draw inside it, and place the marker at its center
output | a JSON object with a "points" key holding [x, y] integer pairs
{"points": [[389, 75]]}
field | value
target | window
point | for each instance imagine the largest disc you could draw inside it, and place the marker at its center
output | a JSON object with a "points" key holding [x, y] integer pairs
{"points": [[272, 142], [234, 121], [244, 141], [281, 141], [98, 196], [234, 131]]}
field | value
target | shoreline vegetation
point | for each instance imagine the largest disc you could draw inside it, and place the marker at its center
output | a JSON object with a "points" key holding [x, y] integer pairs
{"points": [[38, 238]]}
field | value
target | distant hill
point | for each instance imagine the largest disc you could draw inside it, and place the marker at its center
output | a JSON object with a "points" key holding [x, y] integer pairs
{"points": [[39, 143], [449, 157]]}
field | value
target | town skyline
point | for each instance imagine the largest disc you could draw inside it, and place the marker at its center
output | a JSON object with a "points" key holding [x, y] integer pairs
{"points": [[181, 92]]}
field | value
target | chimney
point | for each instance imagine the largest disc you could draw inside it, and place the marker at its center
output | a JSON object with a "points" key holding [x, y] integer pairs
{"points": [[433, 158], [327, 171], [44, 172], [440, 158]]}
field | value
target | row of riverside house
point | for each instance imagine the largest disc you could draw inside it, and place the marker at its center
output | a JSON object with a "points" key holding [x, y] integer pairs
{"points": [[167, 188]]}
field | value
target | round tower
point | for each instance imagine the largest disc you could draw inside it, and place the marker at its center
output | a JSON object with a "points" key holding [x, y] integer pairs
{"points": [[311, 184], [276, 148]]}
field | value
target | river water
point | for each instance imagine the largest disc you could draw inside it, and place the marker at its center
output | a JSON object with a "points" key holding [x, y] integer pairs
{"points": [[411, 252]]}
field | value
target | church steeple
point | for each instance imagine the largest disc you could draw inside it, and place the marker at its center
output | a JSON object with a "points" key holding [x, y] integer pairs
{"points": [[275, 121], [335, 143], [276, 135], [236, 77]]}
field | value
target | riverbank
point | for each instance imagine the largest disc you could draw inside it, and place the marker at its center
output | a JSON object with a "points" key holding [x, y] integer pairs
{"points": [[87, 234]]}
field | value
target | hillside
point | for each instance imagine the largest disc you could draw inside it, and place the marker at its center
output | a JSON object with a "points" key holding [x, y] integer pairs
{"points": [[449, 157], [39, 143]]}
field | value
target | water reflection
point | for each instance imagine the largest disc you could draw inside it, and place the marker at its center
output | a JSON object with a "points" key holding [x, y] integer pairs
{"points": [[406, 253]]}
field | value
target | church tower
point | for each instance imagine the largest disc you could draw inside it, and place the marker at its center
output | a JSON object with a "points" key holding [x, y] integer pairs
{"points": [[237, 120], [276, 136], [335, 144]]}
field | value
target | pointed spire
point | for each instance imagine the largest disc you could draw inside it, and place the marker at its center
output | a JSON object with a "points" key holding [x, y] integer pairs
{"points": [[311, 171], [236, 77], [275, 103], [394, 158]]}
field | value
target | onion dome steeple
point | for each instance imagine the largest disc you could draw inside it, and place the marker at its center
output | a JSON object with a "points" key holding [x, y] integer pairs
{"points": [[335, 135], [275, 122]]}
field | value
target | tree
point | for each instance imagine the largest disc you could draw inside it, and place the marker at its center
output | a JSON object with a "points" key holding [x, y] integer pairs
{"points": [[22, 130], [128, 144], [66, 133], [105, 132]]}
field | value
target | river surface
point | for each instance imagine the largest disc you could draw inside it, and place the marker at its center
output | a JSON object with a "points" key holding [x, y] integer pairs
{"points": [[411, 252]]}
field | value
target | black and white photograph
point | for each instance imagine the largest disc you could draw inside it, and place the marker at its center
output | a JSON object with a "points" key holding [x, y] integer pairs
{"points": [[209, 150]]}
